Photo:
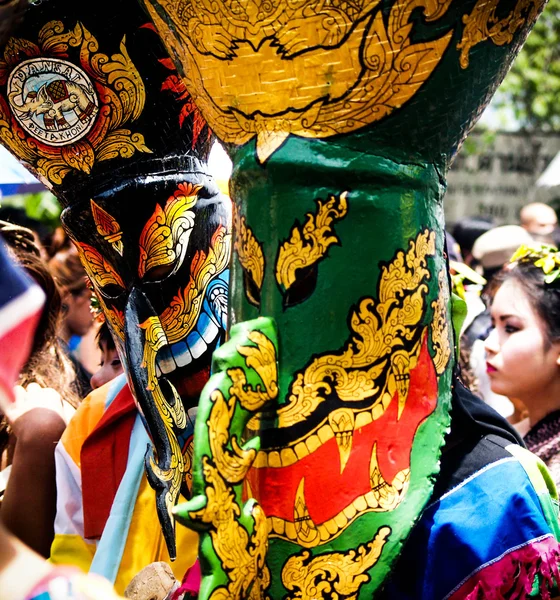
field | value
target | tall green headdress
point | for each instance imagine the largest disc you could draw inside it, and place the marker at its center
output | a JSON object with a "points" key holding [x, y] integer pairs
{"points": [[331, 399]]}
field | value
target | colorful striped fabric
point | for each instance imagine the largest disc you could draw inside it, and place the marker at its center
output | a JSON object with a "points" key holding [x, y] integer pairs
{"points": [[493, 536], [132, 537]]}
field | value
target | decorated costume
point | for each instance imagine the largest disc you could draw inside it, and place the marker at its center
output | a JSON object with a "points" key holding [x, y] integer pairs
{"points": [[330, 401], [91, 103], [490, 529], [544, 440], [106, 510]]}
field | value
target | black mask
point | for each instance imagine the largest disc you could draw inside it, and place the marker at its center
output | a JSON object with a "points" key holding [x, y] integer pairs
{"points": [[95, 109]]}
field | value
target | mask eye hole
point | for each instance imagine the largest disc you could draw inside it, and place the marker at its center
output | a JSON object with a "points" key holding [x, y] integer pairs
{"points": [[252, 290], [303, 287], [112, 290], [159, 273]]}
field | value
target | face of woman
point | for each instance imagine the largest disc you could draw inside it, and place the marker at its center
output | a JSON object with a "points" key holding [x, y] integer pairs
{"points": [[109, 368], [521, 363], [79, 318]]}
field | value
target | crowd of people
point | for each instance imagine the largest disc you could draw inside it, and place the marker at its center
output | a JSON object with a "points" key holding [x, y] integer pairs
{"points": [[52, 382], [511, 336]]}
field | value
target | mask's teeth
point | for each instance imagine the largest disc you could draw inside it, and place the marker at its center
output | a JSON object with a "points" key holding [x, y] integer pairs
{"points": [[342, 423], [181, 354], [165, 361], [305, 527], [196, 344], [207, 328]]}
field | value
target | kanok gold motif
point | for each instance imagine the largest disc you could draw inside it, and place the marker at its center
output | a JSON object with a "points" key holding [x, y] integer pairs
{"points": [[309, 243], [165, 237], [172, 414], [382, 497], [381, 330], [440, 327], [387, 338], [75, 114], [331, 68], [333, 574], [99, 269], [242, 555], [182, 314], [106, 281], [251, 258], [188, 456], [115, 318], [172, 326], [107, 227], [483, 24]]}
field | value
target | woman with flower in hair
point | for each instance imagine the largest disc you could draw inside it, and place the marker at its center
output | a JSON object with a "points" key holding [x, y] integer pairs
{"points": [[523, 349]]}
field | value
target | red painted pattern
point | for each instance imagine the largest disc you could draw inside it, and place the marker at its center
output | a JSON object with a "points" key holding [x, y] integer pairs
{"points": [[327, 491]]}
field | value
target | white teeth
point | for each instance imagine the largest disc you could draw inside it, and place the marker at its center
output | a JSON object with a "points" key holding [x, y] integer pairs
{"points": [[210, 333], [196, 345], [167, 365], [181, 354]]}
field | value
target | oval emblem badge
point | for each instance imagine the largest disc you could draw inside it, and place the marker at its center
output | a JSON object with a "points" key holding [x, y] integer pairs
{"points": [[53, 100]]}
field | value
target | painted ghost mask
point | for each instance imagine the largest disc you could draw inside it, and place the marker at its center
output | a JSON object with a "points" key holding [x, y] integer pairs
{"points": [[94, 107], [161, 275]]}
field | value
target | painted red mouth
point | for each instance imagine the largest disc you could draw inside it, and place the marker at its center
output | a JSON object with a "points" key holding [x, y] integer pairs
{"points": [[490, 368], [389, 437]]}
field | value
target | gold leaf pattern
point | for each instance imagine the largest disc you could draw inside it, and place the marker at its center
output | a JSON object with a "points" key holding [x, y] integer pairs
{"points": [[379, 329], [182, 314], [440, 327], [107, 227], [165, 237], [483, 24], [118, 88], [100, 271], [114, 316], [250, 254], [172, 414], [309, 243], [242, 555], [173, 325], [262, 359], [333, 574], [357, 70]]}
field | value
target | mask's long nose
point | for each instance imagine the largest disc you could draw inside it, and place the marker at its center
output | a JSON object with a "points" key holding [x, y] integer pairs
{"points": [[164, 461]]}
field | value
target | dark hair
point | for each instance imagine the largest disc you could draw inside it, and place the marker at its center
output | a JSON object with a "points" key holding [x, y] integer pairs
{"points": [[468, 230], [47, 364], [104, 335], [67, 270], [543, 297]]}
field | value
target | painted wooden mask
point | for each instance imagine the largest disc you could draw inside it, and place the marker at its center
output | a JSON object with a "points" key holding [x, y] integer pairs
{"points": [[341, 120], [91, 104]]}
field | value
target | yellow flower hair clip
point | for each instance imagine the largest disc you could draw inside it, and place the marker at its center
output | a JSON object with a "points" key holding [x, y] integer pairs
{"points": [[461, 273], [544, 256]]}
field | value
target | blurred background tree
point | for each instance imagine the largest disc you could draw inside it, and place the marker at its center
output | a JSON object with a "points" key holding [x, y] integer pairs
{"points": [[531, 91]]}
